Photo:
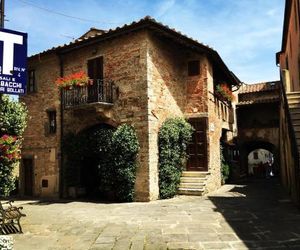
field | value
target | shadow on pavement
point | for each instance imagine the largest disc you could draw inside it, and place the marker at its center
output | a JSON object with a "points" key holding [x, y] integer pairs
{"points": [[261, 214]]}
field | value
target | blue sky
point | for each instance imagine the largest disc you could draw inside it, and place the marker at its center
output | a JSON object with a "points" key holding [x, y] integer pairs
{"points": [[246, 33]]}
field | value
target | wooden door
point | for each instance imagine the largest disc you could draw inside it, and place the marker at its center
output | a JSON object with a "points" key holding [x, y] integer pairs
{"points": [[28, 176], [197, 149], [95, 68]]}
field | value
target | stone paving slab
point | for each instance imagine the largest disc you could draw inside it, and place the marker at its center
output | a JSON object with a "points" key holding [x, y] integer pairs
{"points": [[248, 216]]}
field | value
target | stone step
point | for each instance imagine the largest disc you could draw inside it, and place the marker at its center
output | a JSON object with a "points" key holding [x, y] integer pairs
{"points": [[191, 191], [192, 179], [293, 101], [296, 124], [294, 105], [293, 94], [194, 174], [295, 113], [294, 110], [198, 185], [295, 117], [293, 97], [297, 129], [297, 135]]}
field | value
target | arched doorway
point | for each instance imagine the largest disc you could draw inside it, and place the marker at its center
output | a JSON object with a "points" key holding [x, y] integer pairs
{"points": [[86, 160], [260, 163], [264, 152], [96, 141]]}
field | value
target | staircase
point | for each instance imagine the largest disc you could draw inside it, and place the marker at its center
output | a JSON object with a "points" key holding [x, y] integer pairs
{"points": [[192, 183], [294, 107]]}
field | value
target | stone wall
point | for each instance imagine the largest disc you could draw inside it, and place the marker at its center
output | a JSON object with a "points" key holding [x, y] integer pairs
{"points": [[39, 145], [289, 163], [153, 82], [214, 134], [290, 56], [124, 62], [166, 95]]}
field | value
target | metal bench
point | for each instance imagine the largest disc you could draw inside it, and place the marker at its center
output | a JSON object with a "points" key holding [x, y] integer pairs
{"points": [[10, 217]]}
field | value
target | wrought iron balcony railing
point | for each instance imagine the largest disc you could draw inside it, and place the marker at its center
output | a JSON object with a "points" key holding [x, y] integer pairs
{"points": [[102, 91]]}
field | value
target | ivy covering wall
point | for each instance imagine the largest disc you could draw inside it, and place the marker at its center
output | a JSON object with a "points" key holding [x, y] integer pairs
{"points": [[173, 138], [113, 151]]}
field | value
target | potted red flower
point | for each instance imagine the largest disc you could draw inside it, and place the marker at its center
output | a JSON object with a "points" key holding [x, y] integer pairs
{"points": [[79, 79], [224, 92]]}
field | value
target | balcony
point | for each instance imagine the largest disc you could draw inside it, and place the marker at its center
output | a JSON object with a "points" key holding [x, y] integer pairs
{"points": [[101, 92]]}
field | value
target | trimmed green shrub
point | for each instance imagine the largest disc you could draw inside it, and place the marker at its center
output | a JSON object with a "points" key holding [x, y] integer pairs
{"points": [[125, 147], [113, 151], [173, 138], [13, 117]]}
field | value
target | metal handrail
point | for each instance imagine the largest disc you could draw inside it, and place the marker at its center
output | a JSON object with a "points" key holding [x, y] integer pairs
{"points": [[101, 91]]}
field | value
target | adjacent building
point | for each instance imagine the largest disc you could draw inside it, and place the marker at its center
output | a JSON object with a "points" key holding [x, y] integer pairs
{"points": [[288, 59], [143, 73]]}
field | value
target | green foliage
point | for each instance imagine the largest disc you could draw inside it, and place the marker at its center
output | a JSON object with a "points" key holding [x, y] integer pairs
{"points": [[13, 117], [225, 168], [125, 147], [173, 138], [113, 151]]}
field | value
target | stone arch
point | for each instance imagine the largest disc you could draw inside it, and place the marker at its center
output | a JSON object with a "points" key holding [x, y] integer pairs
{"points": [[91, 143], [247, 147]]}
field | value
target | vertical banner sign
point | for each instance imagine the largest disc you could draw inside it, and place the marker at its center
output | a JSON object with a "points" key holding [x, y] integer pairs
{"points": [[13, 62]]}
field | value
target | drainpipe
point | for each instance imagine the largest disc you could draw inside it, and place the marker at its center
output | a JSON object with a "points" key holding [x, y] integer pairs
{"points": [[61, 170]]}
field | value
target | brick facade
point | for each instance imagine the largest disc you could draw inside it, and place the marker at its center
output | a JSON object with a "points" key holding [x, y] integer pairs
{"points": [[151, 75]]}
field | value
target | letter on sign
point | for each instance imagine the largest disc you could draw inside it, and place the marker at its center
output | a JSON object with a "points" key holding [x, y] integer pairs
{"points": [[13, 59]]}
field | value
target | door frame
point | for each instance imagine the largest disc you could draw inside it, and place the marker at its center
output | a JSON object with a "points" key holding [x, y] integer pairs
{"points": [[22, 175], [203, 119]]}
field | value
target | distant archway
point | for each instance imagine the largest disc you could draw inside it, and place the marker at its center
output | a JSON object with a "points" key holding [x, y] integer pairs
{"points": [[270, 150], [260, 163]]}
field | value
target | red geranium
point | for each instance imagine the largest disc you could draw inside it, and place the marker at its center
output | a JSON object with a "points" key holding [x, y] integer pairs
{"points": [[225, 92], [78, 79], [9, 148]]}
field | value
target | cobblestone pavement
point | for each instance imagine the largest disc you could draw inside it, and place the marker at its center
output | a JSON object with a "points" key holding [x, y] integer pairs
{"points": [[256, 215]]}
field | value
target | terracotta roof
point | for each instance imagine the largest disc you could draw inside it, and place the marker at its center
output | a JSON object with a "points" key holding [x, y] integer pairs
{"points": [[259, 87], [146, 22], [92, 32], [260, 100]]}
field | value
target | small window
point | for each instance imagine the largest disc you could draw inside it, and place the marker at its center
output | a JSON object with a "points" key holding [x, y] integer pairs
{"points": [[255, 155], [44, 183], [52, 121], [31, 87], [194, 68]]}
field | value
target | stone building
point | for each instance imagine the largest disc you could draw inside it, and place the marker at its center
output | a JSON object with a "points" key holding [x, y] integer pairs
{"points": [[258, 123], [288, 59], [145, 72]]}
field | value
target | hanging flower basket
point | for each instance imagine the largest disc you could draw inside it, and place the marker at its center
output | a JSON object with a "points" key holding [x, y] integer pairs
{"points": [[79, 79], [224, 93]]}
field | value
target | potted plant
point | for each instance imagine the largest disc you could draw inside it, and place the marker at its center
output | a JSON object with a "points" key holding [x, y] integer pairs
{"points": [[224, 92], [78, 79]]}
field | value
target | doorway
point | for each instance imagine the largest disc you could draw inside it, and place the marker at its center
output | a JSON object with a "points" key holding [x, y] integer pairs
{"points": [[197, 149], [28, 176]]}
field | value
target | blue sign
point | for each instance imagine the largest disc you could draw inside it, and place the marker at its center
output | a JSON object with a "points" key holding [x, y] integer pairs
{"points": [[13, 62]]}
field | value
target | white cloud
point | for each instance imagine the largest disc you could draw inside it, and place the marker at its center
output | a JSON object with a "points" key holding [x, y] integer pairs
{"points": [[164, 7]]}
